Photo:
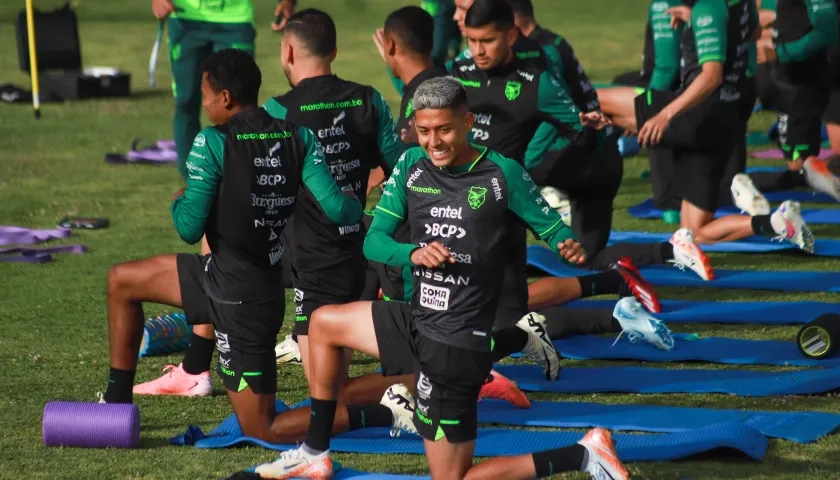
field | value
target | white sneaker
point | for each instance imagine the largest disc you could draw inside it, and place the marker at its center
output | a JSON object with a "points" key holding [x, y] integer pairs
{"points": [[298, 464], [602, 462], [539, 347], [639, 324], [788, 223], [820, 178], [288, 351], [747, 198], [399, 400], [559, 201], [688, 254]]}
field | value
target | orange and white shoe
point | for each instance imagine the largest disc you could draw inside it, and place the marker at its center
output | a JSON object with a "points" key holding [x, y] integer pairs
{"points": [[177, 382], [298, 464], [502, 388], [820, 178], [603, 462], [688, 254]]}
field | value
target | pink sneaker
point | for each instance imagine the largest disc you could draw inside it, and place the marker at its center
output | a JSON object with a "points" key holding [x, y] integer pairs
{"points": [[177, 382]]}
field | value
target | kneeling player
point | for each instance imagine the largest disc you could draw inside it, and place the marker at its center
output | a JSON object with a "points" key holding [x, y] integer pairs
{"points": [[230, 200], [445, 335]]}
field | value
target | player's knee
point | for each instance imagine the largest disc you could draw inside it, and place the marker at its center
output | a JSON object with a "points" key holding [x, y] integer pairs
{"points": [[119, 280], [326, 322]]}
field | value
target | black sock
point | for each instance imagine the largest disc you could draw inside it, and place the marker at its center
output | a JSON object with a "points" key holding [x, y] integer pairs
{"points": [[120, 386], [320, 426], [600, 284], [507, 341], [199, 355], [369, 416], [667, 252], [566, 459], [761, 225]]}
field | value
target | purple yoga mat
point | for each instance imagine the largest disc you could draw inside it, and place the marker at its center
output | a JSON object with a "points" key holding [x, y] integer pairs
{"points": [[776, 154], [37, 255], [92, 425], [10, 235]]}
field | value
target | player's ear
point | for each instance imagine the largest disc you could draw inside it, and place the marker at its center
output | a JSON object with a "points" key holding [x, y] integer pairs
{"points": [[226, 99], [469, 120], [512, 33]]}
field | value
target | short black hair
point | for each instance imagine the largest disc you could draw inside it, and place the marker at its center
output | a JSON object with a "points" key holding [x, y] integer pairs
{"points": [[414, 26], [315, 29], [485, 12], [235, 71], [523, 8]]}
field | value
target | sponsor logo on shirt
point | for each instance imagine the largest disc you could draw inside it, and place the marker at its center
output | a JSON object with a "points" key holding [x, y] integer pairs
{"points": [[434, 298], [445, 230], [446, 212], [497, 189], [441, 277]]}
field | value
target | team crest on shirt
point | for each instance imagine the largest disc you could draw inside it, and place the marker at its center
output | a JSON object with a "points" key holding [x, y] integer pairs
{"points": [[476, 197], [512, 90]]}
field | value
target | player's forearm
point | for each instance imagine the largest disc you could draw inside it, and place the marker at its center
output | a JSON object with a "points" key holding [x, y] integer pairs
{"points": [[189, 219], [810, 44], [707, 82], [380, 245]]}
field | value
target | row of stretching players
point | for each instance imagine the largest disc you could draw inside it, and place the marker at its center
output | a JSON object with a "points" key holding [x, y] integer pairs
{"points": [[492, 36]]}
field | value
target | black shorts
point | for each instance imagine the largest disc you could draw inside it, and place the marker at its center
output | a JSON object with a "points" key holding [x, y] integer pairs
{"points": [[245, 331], [702, 140], [801, 108], [338, 285], [448, 378], [832, 110]]}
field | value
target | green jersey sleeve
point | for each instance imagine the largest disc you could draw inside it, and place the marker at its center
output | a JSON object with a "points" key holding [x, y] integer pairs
{"points": [[380, 245], [709, 20], [555, 103], [823, 34], [768, 5], [275, 109], [205, 167], [338, 208], [390, 145], [525, 200], [666, 45]]}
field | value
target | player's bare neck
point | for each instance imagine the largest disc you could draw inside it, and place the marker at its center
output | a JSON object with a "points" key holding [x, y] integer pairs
{"points": [[412, 65]]}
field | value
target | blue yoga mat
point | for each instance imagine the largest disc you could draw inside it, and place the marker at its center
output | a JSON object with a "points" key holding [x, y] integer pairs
{"points": [[621, 379], [494, 442], [731, 351], [750, 313], [801, 427], [647, 210], [825, 248], [669, 276]]}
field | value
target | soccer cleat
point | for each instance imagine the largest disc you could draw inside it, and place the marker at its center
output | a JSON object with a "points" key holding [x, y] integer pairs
{"points": [[559, 201], [639, 324], [602, 462], [298, 464], [539, 347], [820, 178], [747, 198], [177, 382], [288, 351], [688, 254], [500, 387], [399, 400], [636, 285], [788, 223]]}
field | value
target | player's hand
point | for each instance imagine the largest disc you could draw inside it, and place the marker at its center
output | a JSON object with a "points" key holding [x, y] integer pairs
{"points": [[282, 12], [679, 15], [652, 131], [595, 120], [179, 193], [409, 135], [379, 41], [162, 8], [766, 52], [432, 255], [572, 251]]}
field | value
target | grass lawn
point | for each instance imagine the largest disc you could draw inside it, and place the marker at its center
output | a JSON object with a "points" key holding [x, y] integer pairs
{"points": [[53, 334]]}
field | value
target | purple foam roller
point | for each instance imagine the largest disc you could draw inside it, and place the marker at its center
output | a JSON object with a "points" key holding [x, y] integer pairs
{"points": [[92, 425]]}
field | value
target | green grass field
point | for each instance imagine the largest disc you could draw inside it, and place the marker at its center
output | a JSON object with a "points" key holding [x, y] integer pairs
{"points": [[53, 319]]}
